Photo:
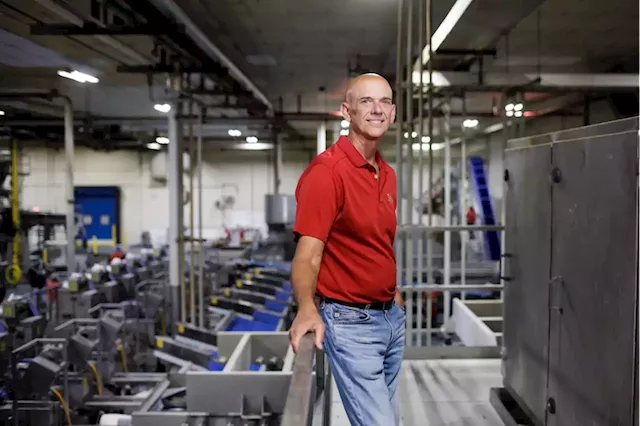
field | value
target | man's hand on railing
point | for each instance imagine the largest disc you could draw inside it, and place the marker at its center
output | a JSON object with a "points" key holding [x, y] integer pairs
{"points": [[307, 320]]}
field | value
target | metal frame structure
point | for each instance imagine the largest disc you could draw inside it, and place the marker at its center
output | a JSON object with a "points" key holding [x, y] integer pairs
{"points": [[413, 237]]}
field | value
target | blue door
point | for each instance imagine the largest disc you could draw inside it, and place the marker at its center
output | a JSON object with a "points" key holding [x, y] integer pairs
{"points": [[98, 210]]}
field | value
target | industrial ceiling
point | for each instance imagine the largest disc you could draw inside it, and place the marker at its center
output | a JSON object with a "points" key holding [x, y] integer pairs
{"points": [[283, 64]]}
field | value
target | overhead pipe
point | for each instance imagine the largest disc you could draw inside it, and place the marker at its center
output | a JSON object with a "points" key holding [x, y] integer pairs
{"points": [[211, 49], [501, 82], [69, 16]]}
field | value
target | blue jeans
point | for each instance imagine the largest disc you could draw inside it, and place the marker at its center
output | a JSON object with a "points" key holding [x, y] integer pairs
{"points": [[365, 349]]}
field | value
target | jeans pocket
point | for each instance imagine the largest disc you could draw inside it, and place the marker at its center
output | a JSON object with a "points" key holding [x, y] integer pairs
{"points": [[347, 315]]}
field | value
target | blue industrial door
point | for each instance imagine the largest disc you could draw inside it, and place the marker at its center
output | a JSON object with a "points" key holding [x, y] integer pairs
{"points": [[98, 210]]}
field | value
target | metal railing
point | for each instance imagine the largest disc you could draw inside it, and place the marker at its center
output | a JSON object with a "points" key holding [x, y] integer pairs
{"points": [[310, 379], [416, 278]]}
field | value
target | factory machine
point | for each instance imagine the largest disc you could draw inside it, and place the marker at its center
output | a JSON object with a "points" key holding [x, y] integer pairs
{"points": [[280, 213], [96, 348], [570, 352]]}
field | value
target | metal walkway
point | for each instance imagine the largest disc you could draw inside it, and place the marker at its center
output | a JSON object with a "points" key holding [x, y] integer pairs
{"points": [[440, 393]]}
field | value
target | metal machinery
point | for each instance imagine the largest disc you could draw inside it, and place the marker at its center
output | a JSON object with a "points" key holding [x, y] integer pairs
{"points": [[97, 348], [570, 338], [280, 213]]}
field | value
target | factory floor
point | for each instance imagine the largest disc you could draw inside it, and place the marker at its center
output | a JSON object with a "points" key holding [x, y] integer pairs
{"points": [[439, 393]]}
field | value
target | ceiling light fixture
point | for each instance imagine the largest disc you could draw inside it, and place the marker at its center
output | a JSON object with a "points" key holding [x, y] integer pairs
{"points": [[162, 140], [235, 133], [344, 132], [78, 76], [252, 139], [518, 113], [1, 112], [470, 123], [426, 139], [344, 124], [425, 146], [165, 108], [154, 146]]}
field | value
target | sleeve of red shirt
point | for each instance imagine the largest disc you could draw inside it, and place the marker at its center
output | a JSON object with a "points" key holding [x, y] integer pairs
{"points": [[318, 199]]}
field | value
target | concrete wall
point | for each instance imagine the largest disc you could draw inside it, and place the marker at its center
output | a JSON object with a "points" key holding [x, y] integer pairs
{"points": [[145, 202]]}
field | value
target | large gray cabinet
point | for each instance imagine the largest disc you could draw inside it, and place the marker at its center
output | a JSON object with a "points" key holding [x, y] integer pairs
{"points": [[570, 316]]}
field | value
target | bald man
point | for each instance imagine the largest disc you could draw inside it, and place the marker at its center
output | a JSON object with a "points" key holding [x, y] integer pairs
{"points": [[344, 269]]}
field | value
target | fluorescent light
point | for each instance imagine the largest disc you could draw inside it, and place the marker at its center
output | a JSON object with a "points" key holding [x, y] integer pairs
{"points": [[509, 107], [78, 76], [426, 139], [470, 122], [509, 113], [162, 140], [153, 145], [518, 107], [344, 124], [406, 135], [414, 134], [260, 146], [165, 108], [518, 114], [1, 112], [344, 132], [425, 146], [235, 133], [445, 28], [252, 139]]}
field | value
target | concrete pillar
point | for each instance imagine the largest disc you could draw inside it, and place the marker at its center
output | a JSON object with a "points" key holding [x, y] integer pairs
{"points": [[277, 162], [322, 138], [176, 211], [337, 128]]}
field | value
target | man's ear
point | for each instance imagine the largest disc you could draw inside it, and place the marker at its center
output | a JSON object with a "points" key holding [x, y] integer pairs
{"points": [[393, 113], [344, 110]]}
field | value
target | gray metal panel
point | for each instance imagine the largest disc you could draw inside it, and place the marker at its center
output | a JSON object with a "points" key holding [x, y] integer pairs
{"points": [[593, 299], [528, 228], [601, 129], [280, 209], [225, 393]]}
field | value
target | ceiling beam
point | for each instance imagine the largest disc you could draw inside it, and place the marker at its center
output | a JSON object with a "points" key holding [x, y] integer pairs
{"points": [[442, 32], [192, 30], [530, 81]]}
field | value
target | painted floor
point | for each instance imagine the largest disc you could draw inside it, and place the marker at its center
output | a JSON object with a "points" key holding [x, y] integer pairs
{"points": [[439, 393]]}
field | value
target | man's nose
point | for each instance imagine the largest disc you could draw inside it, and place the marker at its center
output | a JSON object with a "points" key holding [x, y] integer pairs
{"points": [[377, 108]]}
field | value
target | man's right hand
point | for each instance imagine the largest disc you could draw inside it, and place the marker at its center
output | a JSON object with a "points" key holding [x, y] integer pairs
{"points": [[307, 320]]}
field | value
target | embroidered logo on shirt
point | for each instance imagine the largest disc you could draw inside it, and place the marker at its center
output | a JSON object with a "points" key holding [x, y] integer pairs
{"points": [[390, 198]]}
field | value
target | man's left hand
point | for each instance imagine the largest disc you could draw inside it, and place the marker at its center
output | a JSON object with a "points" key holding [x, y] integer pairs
{"points": [[399, 300]]}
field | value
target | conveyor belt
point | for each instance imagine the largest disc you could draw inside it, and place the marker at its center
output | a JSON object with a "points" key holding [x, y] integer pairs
{"points": [[439, 393]]}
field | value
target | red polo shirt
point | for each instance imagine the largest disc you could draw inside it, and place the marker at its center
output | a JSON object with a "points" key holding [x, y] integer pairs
{"points": [[341, 202]]}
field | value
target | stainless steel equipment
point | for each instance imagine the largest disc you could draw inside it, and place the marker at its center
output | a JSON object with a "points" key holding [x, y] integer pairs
{"points": [[570, 352]]}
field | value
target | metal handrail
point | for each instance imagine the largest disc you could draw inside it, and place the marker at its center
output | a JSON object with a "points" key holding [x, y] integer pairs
{"points": [[298, 409], [401, 229]]}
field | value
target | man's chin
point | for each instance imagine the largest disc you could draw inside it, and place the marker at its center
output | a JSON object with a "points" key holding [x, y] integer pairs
{"points": [[376, 133]]}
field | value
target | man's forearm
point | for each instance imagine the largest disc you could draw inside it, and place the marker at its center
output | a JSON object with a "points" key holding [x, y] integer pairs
{"points": [[304, 277]]}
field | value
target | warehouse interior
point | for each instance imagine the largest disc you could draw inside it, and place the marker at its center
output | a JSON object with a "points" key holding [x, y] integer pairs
{"points": [[149, 155]]}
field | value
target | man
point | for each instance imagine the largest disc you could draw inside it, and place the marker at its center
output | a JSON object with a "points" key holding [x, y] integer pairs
{"points": [[345, 226], [471, 220]]}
